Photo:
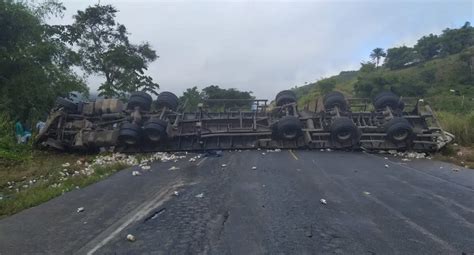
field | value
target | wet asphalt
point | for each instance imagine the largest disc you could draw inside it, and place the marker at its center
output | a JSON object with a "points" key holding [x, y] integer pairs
{"points": [[223, 206]]}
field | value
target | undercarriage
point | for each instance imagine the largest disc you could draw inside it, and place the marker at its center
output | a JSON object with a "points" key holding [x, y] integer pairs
{"points": [[387, 122]]}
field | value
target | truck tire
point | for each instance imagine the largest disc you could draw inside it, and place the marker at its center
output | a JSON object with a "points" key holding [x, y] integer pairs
{"points": [[155, 129], [129, 133], [140, 99], [168, 100], [68, 105], [289, 128], [343, 130], [399, 130], [285, 97], [334, 99], [387, 98]]}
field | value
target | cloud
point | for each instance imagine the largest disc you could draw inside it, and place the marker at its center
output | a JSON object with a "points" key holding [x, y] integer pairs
{"points": [[268, 46]]}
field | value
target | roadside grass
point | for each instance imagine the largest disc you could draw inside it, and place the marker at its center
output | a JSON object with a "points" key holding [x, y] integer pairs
{"points": [[460, 125], [43, 176], [459, 155]]}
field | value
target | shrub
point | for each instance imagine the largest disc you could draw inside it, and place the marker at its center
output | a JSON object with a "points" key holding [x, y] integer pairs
{"points": [[461, 125]]}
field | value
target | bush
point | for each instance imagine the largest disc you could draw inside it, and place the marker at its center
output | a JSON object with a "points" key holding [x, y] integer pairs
{"points": [[10, 151], [461, 125]]}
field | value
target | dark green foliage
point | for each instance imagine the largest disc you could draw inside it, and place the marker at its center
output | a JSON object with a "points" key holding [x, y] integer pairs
{"points": [[105, 50], [428, 46], [400, 57], [215, 92], [455, 40], [35, 62], [190, 99], [326, 85]]}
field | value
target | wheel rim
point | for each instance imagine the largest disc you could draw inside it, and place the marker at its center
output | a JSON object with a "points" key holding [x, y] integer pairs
{"points": [[290, 134], [153, 135], [130, 140], [400, 135], [344, 135]]}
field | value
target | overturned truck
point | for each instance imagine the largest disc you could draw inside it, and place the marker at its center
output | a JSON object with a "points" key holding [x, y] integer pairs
{"points": [[387, 122]]}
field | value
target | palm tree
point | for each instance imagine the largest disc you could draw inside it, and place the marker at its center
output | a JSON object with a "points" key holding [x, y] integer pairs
{"points": [[377, 54]]}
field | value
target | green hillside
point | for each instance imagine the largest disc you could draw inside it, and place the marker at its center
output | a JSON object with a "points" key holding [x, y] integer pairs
{"points": [[439, 69]]}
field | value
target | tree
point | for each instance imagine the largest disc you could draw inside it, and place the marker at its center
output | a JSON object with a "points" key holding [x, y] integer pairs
{"points": [[105, 50], [326, 85], [215, 92], [428, 46], [455, 40], [376, 55], [35, 62], [400, 57], [191, 98]]}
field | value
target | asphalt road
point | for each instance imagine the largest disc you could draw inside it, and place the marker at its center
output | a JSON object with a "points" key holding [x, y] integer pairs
{"points": [[417, 207]]}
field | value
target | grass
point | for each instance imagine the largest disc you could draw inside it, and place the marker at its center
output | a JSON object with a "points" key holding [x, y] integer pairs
{"points": [[42, 176], [461, 125]]}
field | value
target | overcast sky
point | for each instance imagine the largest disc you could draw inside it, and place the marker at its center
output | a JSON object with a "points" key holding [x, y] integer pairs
{"points": [[268, 46]]}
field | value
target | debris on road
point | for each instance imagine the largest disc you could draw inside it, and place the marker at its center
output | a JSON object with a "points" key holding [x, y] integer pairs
{"points": [[405, 159], [408, 154], [224, 165], [173, 168], [263, 153], [366, 193], [386, 166], [176, 193], [136, 173], [80, 209], [201, 195], [323, 201], [131, 238], [254, 168], [275, 150], [385, 158], [146, 167]]}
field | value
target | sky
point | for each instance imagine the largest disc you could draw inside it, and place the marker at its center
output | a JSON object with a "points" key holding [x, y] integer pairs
{"points": [[268, 46]]}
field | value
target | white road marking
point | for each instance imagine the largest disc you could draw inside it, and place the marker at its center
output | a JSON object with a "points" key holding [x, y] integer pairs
{"points": [[139, 213], [200, 162]]}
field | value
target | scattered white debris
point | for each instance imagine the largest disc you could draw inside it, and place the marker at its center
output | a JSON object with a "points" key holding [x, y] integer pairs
{"points": [[254, 168], [173, 168], [201, 195], [131, 238], [386, 166], [385, 158], [328, 149], [80, 209], [323, 201], [322, 150], [224, 165], [263, 153], [176, 193], [405, 159], [192, 159], [275, 150], [366, 193], [136, 173], [146, 167], [66, 164]]}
